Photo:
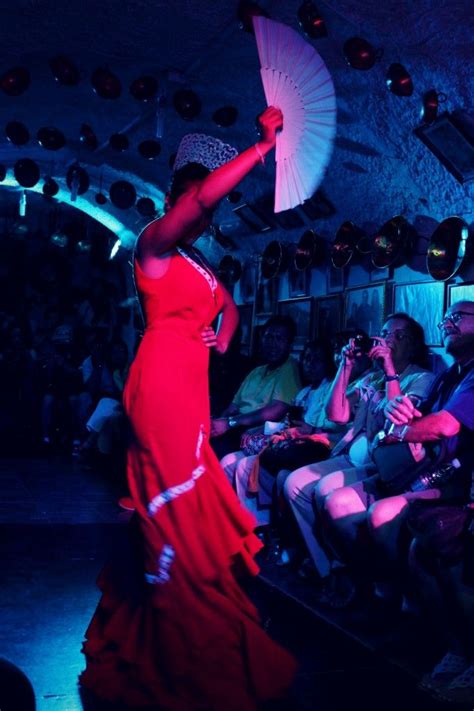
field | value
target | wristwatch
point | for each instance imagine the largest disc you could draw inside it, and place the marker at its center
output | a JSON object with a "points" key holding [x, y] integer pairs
{"points": [[232, 422]]}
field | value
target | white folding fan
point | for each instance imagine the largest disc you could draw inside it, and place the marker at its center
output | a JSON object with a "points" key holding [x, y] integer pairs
{"points": [[296, 80]]}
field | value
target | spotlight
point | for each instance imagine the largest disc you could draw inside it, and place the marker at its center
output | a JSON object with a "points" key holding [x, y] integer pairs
{"points": [[64, 71], [187, 103], [88, 138], [225, 116], [15, 81], [144, 88], [431, 102], [17, 133], [246, 12], [149, 149], [50, 187], [27, 172], [399, 81], [105, 84], [360, 54], [311, 20]]}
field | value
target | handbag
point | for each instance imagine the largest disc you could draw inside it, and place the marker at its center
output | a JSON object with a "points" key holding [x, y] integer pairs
{"points": [[254, 443], [442, 529]]}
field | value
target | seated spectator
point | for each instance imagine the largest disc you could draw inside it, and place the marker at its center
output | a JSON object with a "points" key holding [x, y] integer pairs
{"points": [[438, 433], [307, 440], [61, 386], [110, 376], [266, 392], [226, 372], [399, 354]]}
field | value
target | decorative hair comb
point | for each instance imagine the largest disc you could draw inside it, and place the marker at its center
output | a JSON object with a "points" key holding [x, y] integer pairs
{"points": [[208, 151]]}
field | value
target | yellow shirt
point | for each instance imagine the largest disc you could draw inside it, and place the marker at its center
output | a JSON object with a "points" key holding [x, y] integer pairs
{"points": [[263, 385]]}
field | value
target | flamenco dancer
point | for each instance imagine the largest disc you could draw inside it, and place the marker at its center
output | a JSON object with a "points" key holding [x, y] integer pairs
{"points": [[184, 637]]}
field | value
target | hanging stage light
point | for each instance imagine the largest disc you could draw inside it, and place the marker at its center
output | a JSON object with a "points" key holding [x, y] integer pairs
{"points": [[311, 20], [88, 138], [187, 103], [64, 71], [145, 88], [105, 84], [360, 54], [50, 187], [17, 133], [15, 81], [431, 101], [27, 172], [246, 11], [399, 81]]}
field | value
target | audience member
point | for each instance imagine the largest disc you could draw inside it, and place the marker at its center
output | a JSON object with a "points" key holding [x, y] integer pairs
{"points": [[266, 392]]}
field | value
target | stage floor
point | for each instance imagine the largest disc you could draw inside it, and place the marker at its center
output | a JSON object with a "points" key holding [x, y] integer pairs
{"points": [[58, 523]]}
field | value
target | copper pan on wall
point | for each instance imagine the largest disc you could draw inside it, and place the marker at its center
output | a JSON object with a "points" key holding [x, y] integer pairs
{"points": [[229, 270], [310, 251], [447, 248], [275, 259], [392, 242], [345, 243]]}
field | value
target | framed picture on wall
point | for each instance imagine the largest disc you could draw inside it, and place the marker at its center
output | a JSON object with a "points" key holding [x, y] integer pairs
{"points": [[267, 296], [300, 311], [423, 301], [364, 308], [298, 281], [246, 318], [248, 281], [460, 292], [327, 316], [335, 279]]}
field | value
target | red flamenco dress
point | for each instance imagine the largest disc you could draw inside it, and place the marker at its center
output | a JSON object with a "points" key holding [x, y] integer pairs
{"points": [[182, 636]]}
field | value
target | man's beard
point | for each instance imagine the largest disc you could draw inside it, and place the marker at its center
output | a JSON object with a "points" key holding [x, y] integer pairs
{"points": [[462, 346]]}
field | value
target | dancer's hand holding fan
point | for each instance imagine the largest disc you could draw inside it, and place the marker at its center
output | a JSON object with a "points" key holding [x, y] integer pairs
{"points": [[296, 80]]}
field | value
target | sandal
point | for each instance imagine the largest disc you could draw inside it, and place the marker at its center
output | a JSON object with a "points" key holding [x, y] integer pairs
{"points": [[339, 591], [449, 668], [461, 688]]}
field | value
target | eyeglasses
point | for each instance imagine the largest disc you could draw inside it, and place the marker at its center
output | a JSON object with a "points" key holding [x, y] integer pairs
{"points": [[398, 334], [453, 318]]}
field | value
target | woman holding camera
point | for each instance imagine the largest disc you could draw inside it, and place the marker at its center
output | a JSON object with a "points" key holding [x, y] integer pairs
{"points": [[399, 355]]}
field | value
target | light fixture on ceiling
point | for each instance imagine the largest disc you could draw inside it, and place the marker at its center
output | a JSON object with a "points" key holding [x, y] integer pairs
{"points": [[145, 88], [187, 104], [64, 70], [106, 84], [17, 133], [360, 54], [15, 81], [246, 11], [311, 20], [399, 81], [26, 172], [88, 138], [431, 101]]}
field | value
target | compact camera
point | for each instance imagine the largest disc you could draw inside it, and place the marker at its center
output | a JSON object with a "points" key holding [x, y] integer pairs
{"points": [[362, 344]]}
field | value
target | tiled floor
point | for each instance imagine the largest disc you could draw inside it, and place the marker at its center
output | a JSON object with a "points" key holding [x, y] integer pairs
{"points": [[58, 523]]}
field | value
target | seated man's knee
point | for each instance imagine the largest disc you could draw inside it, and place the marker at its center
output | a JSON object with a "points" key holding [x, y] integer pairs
{"points": [[300, 479], [343, 502], [229, 464], [326, 485], [385, 511]]}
